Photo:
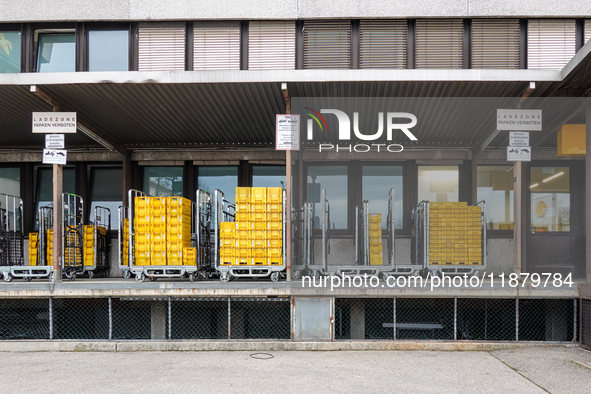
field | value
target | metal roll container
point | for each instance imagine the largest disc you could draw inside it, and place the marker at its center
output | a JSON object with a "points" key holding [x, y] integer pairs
{"points": [[224, 209]]}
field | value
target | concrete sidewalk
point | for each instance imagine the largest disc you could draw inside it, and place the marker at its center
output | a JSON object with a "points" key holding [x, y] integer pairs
{"points": [[517, 370]]}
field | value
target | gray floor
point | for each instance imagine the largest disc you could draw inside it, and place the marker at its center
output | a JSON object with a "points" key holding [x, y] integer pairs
{"points": [[527, 370]]}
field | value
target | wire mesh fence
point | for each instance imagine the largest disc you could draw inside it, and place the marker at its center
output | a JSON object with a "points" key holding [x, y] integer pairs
{"points": [[585, 314], [457, 319], [264, 318], [198, 318], [80, 318], [24, 318]]}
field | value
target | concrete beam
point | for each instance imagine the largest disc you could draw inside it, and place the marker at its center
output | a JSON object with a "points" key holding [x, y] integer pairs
{"points": [[273, 76]]}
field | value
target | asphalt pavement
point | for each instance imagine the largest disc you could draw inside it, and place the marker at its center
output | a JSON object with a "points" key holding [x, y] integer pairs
{"points": [[524, 370]]}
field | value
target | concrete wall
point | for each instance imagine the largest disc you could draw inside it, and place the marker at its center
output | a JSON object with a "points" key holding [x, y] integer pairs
{"points": [[95, 10]]}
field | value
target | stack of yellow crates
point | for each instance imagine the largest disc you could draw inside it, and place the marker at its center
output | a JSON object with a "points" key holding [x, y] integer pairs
{"points": [[162, 231], [455, 234], [88, 245], [125, 257], [72, 255], [376, 256], [158, 246], [257, 236], [141, 223], [33, 248], [49, 256], [178, 230]]}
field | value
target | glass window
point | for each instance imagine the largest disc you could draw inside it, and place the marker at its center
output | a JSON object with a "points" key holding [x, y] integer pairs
{"points": [[10, 181], [106, 190], [334, 180], [224, 178], [56, 53], [438, 183], [10, 52], [495, 187], [108, 50], [163, 181], [45, 186], [268, 176], [376, 184], [550, 199]]}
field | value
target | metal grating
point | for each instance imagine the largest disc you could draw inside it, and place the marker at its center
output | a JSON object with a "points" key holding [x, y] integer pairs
{"points": [[161, 46], [327, 44], [439, 43], [271, 45], [216, 46], [495, 43], [550, 43], [382, 43], [586, 323]]}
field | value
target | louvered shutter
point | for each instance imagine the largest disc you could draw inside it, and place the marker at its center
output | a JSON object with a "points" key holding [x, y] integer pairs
{"points": [[161, 46], [216, 46], [382, 43], [587, 30], [495, 43], [550, 43], [439, 43], [271, 45], [327, 44]]}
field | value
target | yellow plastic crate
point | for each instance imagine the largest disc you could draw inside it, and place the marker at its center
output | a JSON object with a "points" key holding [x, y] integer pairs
{"points": [[178, 219], [257, 234], [227, 251], [274, 234], [275, 208], [243, 207], [275, 243], [242, 195], [375, 217], [178, 246], [242, 235], [244, 225], [259, 253], [242, 217], [375, 233], [260, 208], [259, 243], [243, 261], [227, 242], [243, 243], [176, 260], [375, 241], [259, 226], [275, 226], [142, 247], [226, 233], [190, 256], [376, 259], [259, 261], [275, 217], [158, 246], [258, 195], [258, 216], [274, 195], [177, 228], [243, 252], [178, 206]]}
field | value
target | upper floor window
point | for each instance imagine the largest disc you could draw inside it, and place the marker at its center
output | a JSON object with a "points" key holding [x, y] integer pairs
{"points": [[108, 50], [10, 52], [56, 50]]}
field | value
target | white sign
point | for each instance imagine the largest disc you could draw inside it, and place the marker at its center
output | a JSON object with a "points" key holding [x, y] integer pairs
{"points": [[519, 119], [519, 153], [288, 132], [54, 122], [55, 156], [519, 138], [55, 141]]}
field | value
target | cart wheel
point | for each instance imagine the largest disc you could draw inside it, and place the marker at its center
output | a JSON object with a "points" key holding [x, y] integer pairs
{"points": [[295, 275], [275, 277], [202, 275], [192, 277], [72, 276], [28, 278], [153, 279], [51, 277], [384, 276], [224, 277], [140, 277], [127, 274], [90, 274], [7, 277]]}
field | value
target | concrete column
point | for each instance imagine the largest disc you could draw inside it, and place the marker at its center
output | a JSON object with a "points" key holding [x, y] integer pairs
{"points": [[357, 316], [588, 191], [159, 319], [517, 214]]}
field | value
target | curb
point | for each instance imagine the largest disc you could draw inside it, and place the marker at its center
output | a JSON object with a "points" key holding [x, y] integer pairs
{"points": [[196, 346]]}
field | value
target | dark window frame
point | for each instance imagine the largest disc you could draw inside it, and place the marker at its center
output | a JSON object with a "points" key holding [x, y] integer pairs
{"points": [[99, 26], [53, 26]]}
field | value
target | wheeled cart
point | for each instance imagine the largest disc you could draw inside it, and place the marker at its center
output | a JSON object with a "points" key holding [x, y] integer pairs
{"points": [[450, 237], [303, 245], [160, 230], [253, 244]]}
